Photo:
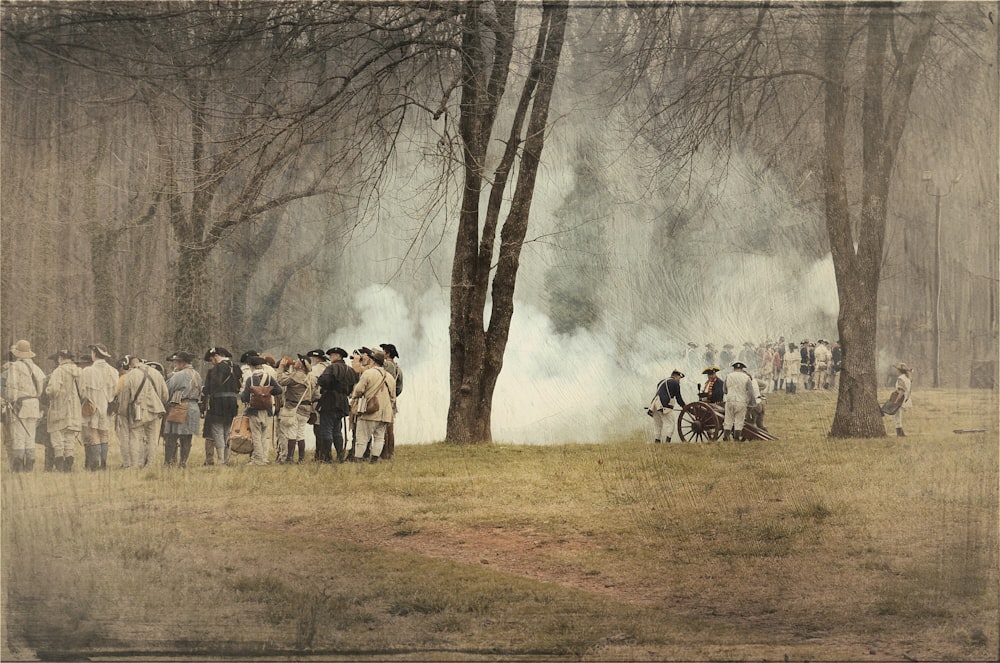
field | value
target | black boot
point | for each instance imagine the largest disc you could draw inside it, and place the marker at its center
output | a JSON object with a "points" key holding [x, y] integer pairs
{"points": [[185, 442], [17, 462], [67, 464], [725, 435], [50, 459], [900, 433], [57, 464]]}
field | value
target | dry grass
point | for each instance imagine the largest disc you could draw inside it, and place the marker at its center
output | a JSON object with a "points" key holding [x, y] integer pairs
{"points": [[805, 547]]}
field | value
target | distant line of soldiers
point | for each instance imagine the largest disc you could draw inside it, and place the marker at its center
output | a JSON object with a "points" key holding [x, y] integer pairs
{"points": [[783, 365]]}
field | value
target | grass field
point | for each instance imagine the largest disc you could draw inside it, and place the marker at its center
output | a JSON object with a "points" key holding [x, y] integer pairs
{"points": [[805, 548]]}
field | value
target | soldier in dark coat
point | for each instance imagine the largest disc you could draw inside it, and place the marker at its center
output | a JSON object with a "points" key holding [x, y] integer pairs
{"points": [[335, 384], [221, 396]]}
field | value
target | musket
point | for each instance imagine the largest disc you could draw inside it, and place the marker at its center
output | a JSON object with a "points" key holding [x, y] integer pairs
{"points": [[10, 407]]}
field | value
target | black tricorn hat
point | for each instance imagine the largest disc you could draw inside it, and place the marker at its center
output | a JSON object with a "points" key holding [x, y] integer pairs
{"points": [[738, 364], [677, 373], [318, 352], [339, 351], [255, 360], [245, 357], [216, 350]]}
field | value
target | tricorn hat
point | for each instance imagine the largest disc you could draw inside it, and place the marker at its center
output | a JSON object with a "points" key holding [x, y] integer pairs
{"points": [[338, 351], [255, 360], [677, 373], [318, 352], [711, 369], [181, 355], [100, 351], [245, 357], [157, 365], [738, 364], [692, 344], [215, 350]]}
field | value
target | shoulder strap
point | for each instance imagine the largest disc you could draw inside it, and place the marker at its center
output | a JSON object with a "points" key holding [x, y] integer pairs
{"points": [[145, 375], [31, 374]]}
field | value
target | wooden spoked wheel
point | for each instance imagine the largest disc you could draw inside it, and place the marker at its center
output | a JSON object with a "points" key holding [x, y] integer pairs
{"points": [[699, 422]]}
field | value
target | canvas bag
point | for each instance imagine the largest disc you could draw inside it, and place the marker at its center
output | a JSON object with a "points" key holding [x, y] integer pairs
{"points": [[240, 438]]}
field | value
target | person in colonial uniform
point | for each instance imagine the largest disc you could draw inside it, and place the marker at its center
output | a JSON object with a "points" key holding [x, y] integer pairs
{"points": [[712, 391], [221, 394], [184, 388], [64, 419], [97, 389], [668, 396], [142, 404], [22, 389], [904, 386], [741, 393]]}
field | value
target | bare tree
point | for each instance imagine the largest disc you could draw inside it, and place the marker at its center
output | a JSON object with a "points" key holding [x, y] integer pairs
{"points": [[477, 349]]}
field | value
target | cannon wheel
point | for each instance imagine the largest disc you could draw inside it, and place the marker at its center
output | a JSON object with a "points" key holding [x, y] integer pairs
{"points": [[699, 422]]}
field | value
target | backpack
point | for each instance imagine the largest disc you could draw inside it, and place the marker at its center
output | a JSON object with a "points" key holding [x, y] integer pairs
{"points": [[260, 396]]}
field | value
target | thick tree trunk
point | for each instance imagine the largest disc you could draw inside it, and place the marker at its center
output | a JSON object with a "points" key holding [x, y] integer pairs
{"points": [[857, 251], [190, 312], [477, 353]]}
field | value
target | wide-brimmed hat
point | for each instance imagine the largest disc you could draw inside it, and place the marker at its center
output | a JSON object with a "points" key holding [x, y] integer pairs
{"points": [[100, 350], [390, 350], [318, 353], [378, 356], [901, 367], [62, 354], [677, 373], [338, 351], [692, 344], [255, 360], [711, 369], [22, 350]]}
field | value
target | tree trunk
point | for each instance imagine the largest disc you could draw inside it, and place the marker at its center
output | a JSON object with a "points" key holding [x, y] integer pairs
{"points": [[477, 353], [857, 270]]}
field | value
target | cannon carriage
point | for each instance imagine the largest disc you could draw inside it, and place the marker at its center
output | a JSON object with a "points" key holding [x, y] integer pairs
{"points": [[702, 422]]}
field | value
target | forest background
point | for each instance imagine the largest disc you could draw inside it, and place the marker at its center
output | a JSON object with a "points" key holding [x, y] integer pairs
{"points": [[281, 176]]}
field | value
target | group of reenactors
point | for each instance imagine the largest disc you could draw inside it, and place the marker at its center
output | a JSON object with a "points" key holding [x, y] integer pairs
{"points": [[87, 395], [813, 364]]}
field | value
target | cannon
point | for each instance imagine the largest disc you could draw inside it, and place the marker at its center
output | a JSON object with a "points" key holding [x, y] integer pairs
{"points": [[701, 422]]}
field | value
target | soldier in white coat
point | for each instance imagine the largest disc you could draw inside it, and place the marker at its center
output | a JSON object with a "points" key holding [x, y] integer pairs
{"points": [[741, 393], [97, 388], [64, 419], [824, 360], [142, 404], [22, 389]]}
